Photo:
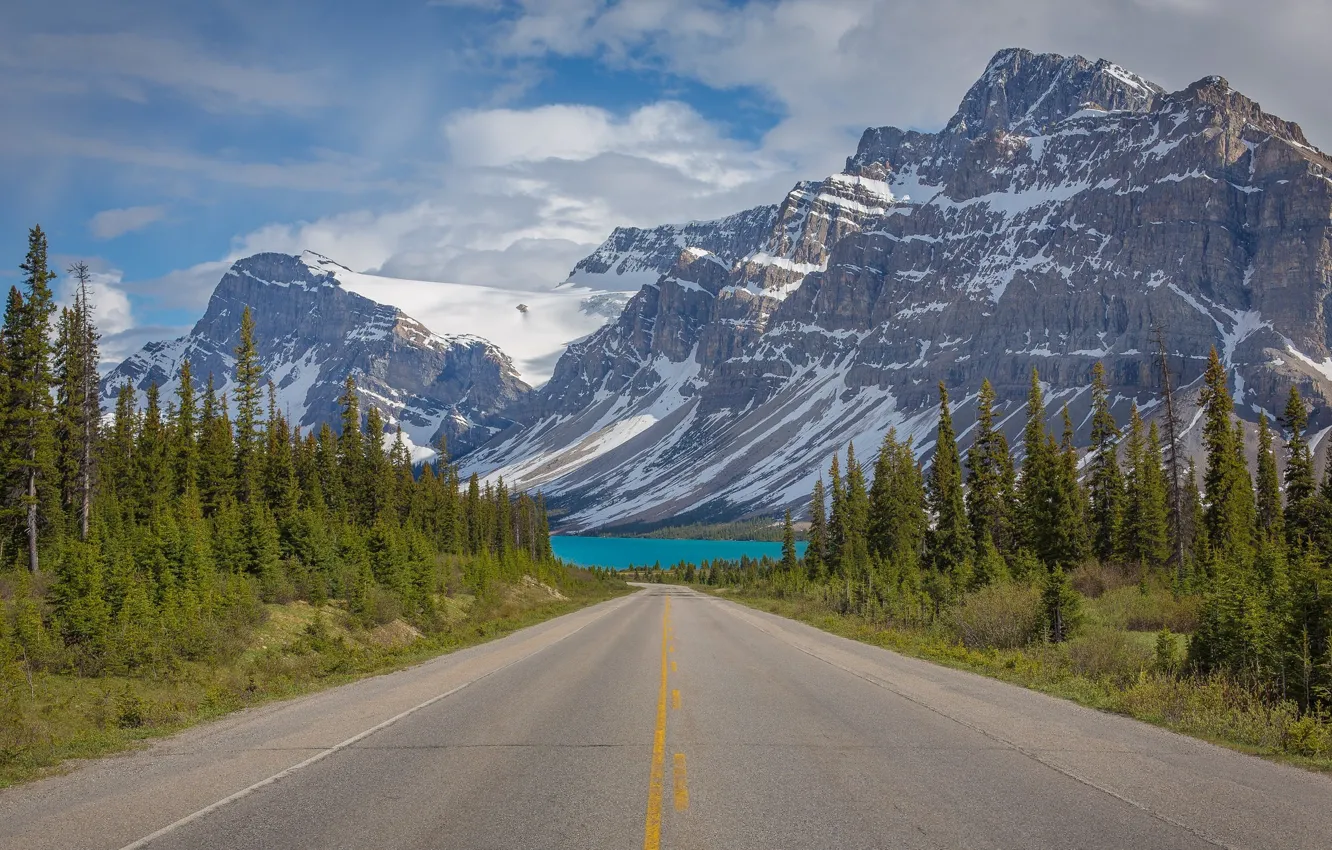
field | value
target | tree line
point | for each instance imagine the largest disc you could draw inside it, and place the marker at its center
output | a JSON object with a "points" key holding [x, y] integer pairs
{"points": [[1254, 544], [154, 535]]}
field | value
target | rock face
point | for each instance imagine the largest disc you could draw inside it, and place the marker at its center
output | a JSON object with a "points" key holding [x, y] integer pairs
{"points": [[1066, 211], [312, 333], [634, 256]]}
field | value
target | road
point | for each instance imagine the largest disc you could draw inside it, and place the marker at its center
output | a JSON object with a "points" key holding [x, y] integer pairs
{"points": [[669, 719]]}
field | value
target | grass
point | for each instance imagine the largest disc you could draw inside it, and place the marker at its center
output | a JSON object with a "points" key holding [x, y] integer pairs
{"points": [[1104, 667], [298, 649]]}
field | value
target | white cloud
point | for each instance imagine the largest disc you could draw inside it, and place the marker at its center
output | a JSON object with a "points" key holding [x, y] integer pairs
{"points": [[530, 192], [108, 224]]}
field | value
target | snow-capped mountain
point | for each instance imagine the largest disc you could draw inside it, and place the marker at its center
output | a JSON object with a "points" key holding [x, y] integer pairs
{"points": [[1068, 209], [316, 322]]}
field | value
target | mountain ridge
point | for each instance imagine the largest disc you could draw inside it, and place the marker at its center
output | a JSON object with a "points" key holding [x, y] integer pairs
{"points": [[1067, 209]]}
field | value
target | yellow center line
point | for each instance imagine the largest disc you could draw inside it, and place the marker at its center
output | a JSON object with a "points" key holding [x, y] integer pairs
{"points": [[675, 699], [657, 777], [681, 785], [672, 666]]}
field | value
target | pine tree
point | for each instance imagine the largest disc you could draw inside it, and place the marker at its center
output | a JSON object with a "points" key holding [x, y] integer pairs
{"points": [[78, 405], [216, 466], [1106, 484], [1230, 514], [248, 396], [837, 519], [152, 462], [30, 426], [351, 454], [185, 434], [789, 560], [949, 541], [1270, 522], [990, 485], [1299, 478], [815, 557], [1035, 483], [1146, 532], [855, 544]]}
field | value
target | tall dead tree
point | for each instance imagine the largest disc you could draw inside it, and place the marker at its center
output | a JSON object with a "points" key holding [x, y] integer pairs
{"points": [[1177, 528]]}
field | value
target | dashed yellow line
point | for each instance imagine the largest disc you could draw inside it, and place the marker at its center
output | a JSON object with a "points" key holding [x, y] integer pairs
{"points": [[672, 666], [675, 699], [656, 776], [681, 784]]}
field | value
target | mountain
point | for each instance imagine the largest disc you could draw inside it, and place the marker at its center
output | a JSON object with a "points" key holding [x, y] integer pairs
{"points": [[1067, 210], [316, 322]]}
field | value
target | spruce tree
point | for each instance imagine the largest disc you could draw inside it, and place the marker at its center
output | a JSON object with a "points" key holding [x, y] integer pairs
{"points": [[815, 551], [855, 547], [837, 519], [1146, 527], [185, 433], [216, 466], [30, 421], [1299, 477], [949, 542], [1035, 483], [78, 404], [1229, 515], [248, 397], [789, 560], [1106, 482], [989, 494], [1270, 522]]}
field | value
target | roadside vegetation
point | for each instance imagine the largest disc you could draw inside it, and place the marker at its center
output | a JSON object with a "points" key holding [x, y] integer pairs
{"points": [[202, 554], [1103, 574]]}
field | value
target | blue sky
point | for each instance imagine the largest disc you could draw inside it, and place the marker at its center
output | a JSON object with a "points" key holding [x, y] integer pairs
{"points": [[497, 141]]}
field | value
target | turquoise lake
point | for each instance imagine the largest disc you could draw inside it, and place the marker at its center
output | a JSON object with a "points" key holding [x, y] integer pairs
{"points": [[622, 552]]}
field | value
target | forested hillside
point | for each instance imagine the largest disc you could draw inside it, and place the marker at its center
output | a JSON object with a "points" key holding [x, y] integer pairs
{"points": [[1116, 573], [149, 543]]}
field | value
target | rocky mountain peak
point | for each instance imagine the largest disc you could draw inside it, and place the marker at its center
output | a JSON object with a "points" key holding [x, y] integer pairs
{"points": [[1067, 211], [312, 333], [1024, 92]]}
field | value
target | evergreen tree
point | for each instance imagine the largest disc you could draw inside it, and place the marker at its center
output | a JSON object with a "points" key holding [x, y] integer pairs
{"points": [[185, 434], [855, 543], [1300, 484], [815, 557], [30, 426], [789, 560], [1146, 516], [990, 486], [78, 404], [1230, 514], [837, 519], [1035, 483], [248, 396], [215, 452], [949, 541], [1270, 522], [1106, 482]]}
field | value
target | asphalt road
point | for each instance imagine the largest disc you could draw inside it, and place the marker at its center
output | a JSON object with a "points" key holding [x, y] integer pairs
{"points": [[673, 720]]}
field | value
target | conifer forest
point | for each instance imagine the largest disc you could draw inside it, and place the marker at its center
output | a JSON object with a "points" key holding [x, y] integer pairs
{"points": [[137, 540]]}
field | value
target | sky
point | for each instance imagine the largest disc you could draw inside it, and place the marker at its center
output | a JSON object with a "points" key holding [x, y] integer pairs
{"points": [[497, 142]]}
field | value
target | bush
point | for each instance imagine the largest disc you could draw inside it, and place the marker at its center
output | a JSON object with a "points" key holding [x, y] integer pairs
{"points": [[1137, 611], [1093, 579], [1108, 654], [1003, 616]]}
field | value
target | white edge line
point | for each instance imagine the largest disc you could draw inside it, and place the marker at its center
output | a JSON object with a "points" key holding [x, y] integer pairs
{"points": [[320, 756]]}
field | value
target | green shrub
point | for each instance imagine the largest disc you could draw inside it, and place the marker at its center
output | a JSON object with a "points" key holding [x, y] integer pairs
{"points": [[1130, 608], [1107, 654], [1002, 616]]}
